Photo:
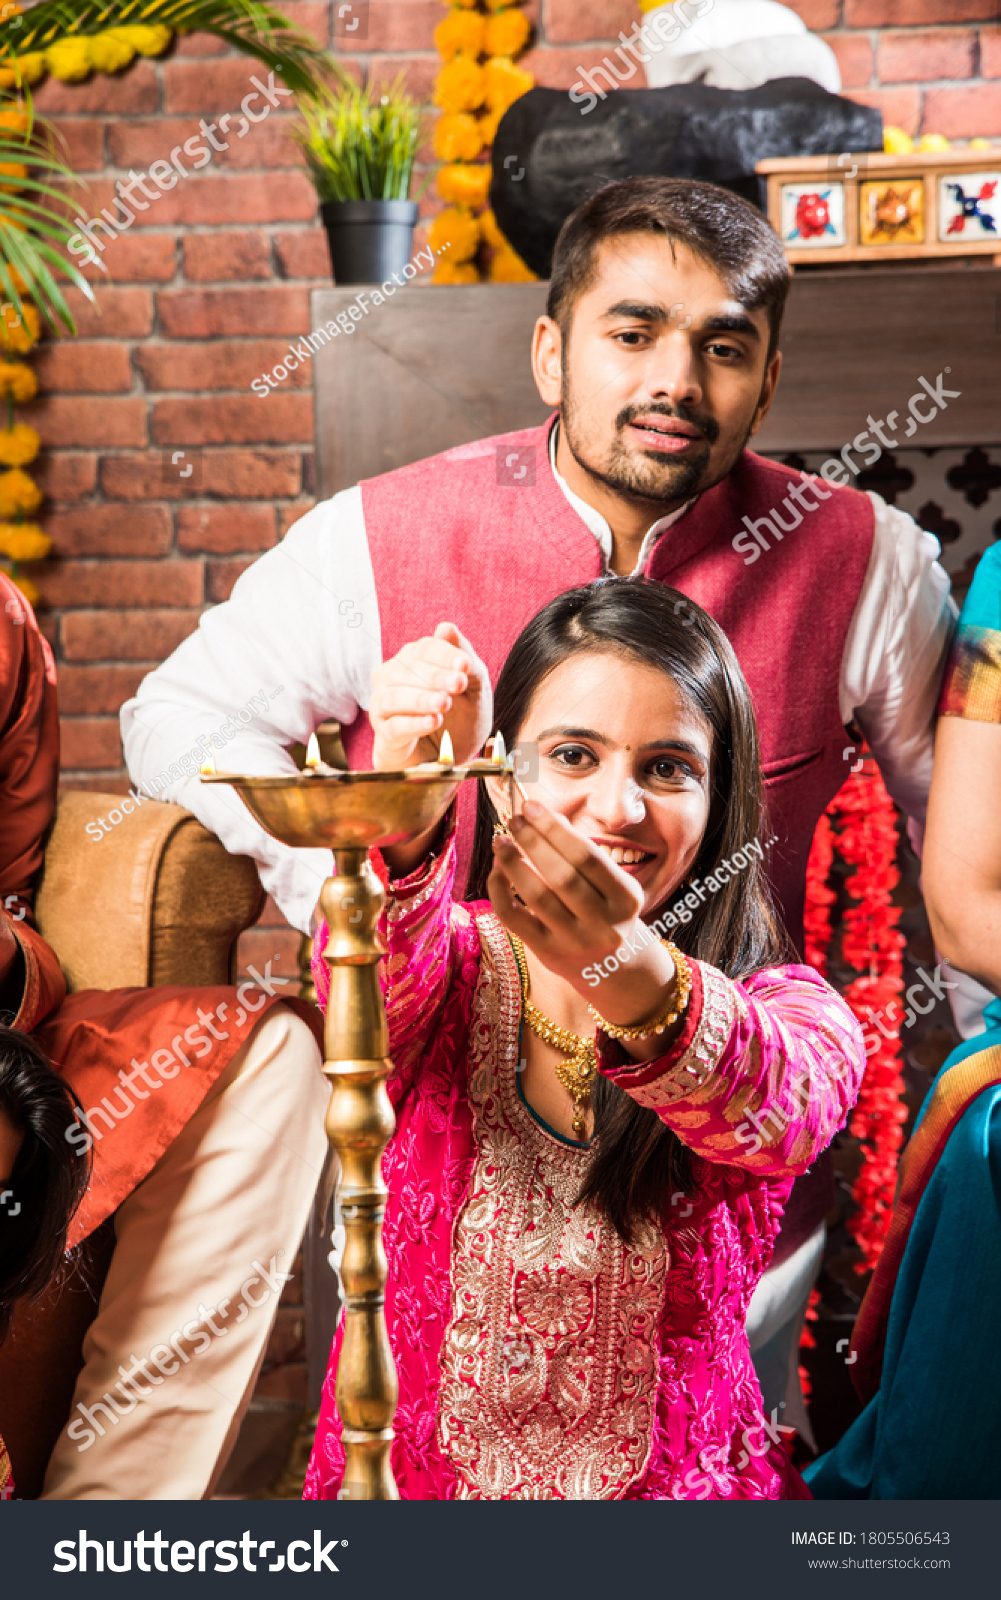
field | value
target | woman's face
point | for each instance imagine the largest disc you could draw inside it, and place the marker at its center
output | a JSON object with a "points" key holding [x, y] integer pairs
{"points": [[626, 759], [11, 1140]]}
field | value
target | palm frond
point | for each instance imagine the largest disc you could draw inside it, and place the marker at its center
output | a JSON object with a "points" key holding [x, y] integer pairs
{"points": [[35, 217], [248, 25]]}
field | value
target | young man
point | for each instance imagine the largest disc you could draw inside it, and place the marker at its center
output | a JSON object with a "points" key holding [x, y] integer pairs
{"points": [[202, 1123], [659, 353]]}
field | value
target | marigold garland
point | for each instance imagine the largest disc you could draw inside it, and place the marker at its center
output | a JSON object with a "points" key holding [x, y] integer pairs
{"points": [[873, 945], [473, 97]]}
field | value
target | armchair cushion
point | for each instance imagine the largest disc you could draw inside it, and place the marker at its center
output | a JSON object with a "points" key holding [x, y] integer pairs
{"points": [[157, 900]]}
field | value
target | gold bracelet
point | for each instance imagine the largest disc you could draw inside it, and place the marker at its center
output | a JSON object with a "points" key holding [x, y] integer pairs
{"points": [[643, 1030]]}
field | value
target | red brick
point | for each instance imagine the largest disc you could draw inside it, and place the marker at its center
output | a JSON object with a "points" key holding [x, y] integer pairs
{"points": [[70, 366], [284, 1383], [923, 57], [135, 145], [115, 781], [287, 1340], [222, 529], [854, 55], [83, 150], [88, 690], [221, 576], [311, 16], [226, 475], [963, 113], [206, 87], [90, 742], [229, 419], [48, 627], [62, 420], [908, 13], [125, 635], [110, 531], [222, 364], [304, 254], [817, 14], [569, 21], [395, 25], [900, 108], [235, 198], [271, 917], [200, 44], [258, 946], [113, 314], [65, 477], [559, 68], [72, 585], [221, 257], [419, 73], [990, 52], [137, 258], [263, 144], [210, 313], [287, 515], [120, 95]]}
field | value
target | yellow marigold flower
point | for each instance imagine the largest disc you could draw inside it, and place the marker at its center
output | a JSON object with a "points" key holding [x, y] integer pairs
{"points": [[69, 59], [19, 445], [109, 52], [896, 142], [507, 33], [488, 126], [932, 143], [146, 39], [19, 333], [24, 541], [507, 267], [18, 381], [461, 86], [980, 144], [489, 229], [456, 272], [468, 5], [505, 83], [500, 5], [456, 234], [27, 588], [461, 34], [25, 69], [457, 137], [465, 185], [18, 493]]}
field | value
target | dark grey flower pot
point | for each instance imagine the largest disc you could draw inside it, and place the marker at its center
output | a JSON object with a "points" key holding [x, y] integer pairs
{"points": [[369, 239]]}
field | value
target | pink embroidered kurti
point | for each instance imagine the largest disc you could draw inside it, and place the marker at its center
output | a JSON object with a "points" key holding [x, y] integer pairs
{"points": [[539, 1356]]}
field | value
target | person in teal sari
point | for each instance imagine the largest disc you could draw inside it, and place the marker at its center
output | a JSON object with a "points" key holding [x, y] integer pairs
{"points": [[926, 1348]]}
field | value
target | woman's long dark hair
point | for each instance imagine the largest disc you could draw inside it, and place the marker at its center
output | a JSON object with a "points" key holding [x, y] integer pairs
{"points": [[638, 1161], [49, 1176]]}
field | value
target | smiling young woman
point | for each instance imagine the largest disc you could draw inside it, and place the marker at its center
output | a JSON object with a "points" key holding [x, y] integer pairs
{"points": [[561, 1327]]}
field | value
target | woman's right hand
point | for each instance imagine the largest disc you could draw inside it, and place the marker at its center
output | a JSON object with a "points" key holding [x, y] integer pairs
{"points": [[431, 685]]}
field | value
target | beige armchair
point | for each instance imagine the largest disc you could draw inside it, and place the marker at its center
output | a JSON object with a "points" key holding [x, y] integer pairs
{"points": [[155, 901]]}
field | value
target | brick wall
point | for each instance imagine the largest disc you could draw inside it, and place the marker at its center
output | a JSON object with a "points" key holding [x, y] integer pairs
{"points": [[211, 281]]}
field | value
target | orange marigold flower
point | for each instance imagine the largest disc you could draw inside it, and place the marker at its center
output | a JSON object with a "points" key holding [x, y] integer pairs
{"points": [[19, 332], [468, 5], [18, 381], [27, 588], [488, 125], [24, 541], [461, 85], [12, 170], [505, 83], [465, 185], [454, 233], [457, 137], [18, 493], [14, 121], [490, 231], [507, 33], [507, 267], [461, 34], [456, 272], [19, 445]]}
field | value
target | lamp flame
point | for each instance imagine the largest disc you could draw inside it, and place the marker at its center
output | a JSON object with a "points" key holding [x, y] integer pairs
{"points": [[446, 755], [208, 765], [313, 752], [499, 753]]}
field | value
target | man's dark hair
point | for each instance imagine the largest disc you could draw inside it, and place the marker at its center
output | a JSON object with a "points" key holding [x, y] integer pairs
{"points": [[727, 232], [49, 1177]]}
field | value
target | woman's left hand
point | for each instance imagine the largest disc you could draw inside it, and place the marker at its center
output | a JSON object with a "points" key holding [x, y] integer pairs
{"points": [[578, 908]]}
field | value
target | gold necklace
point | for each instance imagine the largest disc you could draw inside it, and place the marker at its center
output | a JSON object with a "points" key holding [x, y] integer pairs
{"points": [[577, 1074]]}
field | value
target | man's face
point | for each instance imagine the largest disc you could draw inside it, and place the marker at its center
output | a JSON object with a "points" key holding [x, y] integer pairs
{"points": [[664, 377]]}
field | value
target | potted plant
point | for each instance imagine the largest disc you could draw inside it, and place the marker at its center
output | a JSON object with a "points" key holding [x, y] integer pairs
{"points": [[360, 155]]}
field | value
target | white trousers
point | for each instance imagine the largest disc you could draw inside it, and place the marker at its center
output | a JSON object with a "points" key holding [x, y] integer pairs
{"points": [[203, 1247]]}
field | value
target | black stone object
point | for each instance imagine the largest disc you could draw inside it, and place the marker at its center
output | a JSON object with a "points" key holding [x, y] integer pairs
{"points": [[547, 157]]}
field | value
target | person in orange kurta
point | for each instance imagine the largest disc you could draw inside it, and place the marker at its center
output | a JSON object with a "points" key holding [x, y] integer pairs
{"points": [[207, 1171]]}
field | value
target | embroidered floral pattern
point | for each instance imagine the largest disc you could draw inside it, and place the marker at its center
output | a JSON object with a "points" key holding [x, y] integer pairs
{"points": [[550, 1362]]}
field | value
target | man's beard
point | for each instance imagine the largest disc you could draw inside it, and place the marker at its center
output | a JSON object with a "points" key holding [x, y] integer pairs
{"points": [[649, 476]]}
